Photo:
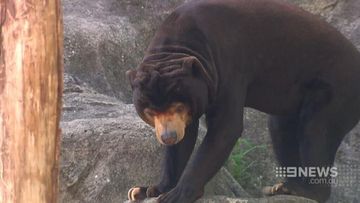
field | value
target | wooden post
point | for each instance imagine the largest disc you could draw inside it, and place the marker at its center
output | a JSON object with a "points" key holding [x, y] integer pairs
{"points": [[31, 69]]}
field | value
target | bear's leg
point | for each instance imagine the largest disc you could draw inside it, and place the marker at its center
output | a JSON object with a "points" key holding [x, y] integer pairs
{"points": [[224, 128], [321, 130], [325, 117], [176, 157], [283, 131], [318, 146]]}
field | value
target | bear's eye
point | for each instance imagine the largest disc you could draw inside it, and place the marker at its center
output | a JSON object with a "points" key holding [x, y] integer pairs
{"points": [[149, 113], [148, 116], [180, 108]]}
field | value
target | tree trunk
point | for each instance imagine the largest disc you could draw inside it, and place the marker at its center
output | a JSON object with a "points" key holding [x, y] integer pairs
{"points": [[31, 69]]}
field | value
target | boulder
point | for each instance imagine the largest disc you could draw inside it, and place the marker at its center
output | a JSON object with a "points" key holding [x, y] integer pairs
{"points": [[103, 39], [224, 199]]}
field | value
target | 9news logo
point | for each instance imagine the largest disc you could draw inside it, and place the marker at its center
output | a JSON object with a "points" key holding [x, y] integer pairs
{"points": [[311, 172]]}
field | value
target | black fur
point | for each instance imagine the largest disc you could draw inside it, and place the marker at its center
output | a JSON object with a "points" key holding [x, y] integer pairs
{"points": [[219, 56]]}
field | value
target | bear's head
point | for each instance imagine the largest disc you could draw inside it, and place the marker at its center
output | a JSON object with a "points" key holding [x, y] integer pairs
{"points": [[169, 91]]}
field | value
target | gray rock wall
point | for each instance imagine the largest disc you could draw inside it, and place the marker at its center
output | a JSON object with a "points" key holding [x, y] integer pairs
{"points": [[105, 38]]}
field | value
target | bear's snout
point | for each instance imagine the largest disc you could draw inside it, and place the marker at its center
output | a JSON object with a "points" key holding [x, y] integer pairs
{"points": [[169, 137]]}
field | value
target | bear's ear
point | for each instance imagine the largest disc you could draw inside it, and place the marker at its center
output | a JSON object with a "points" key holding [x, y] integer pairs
{"points": [[193, 66], [131, 74]]}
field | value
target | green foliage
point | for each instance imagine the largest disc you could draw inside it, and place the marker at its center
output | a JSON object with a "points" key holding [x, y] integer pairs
{"points": [[243, 163]]}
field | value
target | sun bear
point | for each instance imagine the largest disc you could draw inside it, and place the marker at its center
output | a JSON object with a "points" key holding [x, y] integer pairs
{"points": [[214, 58]]}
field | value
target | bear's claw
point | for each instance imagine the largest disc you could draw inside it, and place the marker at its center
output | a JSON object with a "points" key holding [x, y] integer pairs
{"points": [[276, 189], [137, 193], [141, 193], [153, 191]]}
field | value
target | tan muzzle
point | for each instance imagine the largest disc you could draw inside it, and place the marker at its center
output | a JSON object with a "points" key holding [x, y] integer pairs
{"points": [[169, 124]]}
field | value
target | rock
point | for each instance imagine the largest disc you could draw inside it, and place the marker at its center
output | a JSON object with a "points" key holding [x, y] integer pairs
{"points": [[274, 199], [224, 199], [342, 14], [103, 39], [107, 149]]}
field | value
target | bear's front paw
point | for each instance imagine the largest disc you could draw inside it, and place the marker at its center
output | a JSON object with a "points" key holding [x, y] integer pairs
{"points": [[153, 191], [137, 193], [141, 193], [317, 192], [277, 189], [180, 194]]}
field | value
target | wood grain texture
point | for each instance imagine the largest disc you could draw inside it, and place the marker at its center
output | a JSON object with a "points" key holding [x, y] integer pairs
{"points": [[31, 68]]}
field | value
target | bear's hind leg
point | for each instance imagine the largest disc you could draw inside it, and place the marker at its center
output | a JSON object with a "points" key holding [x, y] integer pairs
{"points": [[283, 131], [324, 118], [323, 125]]}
